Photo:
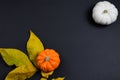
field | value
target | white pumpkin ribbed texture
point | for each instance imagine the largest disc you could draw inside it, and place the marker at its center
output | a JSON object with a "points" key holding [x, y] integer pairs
{"points": [[104, 13]]}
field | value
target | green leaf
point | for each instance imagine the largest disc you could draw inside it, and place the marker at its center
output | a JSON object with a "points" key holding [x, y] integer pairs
{"points": [[24, 68], [34, 46]]}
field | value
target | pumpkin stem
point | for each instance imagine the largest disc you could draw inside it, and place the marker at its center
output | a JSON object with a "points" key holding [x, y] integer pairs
{"points": [[105, 11], [47, 58]]}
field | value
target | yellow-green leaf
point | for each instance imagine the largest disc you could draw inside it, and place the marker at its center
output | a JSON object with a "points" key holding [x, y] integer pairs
{"points": [[34, 46], [59, 78], [43, 79], [46, 75], [24, 68]]}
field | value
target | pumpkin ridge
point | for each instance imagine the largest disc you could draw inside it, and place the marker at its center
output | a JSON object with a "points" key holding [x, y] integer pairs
{"points": [[51, 63], [40, 57], [55, 62], [51, 67]]}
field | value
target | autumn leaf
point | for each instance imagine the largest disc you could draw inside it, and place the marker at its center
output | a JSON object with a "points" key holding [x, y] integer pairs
{"points": [[34, 46], [24, 68], [46, 75], [43, 79], [59, 78]]}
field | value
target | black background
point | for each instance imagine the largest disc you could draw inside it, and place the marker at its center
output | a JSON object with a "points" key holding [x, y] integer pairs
{"points": [[88, 51]]}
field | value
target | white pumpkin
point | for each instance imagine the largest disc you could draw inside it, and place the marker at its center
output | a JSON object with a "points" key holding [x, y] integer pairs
{"points": [[104, 13]]}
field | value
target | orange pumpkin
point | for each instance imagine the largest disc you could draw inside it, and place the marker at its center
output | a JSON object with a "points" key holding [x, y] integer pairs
{"points": [[48, 60]]}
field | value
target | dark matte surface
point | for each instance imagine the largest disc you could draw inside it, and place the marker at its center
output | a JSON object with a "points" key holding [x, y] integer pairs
{"points": [[88, 51]]}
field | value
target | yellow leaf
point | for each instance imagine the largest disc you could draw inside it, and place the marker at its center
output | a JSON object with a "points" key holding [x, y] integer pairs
{"points": [[43, 79], [24, 68], [59, 78], [46, 75], [34, 46]]}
